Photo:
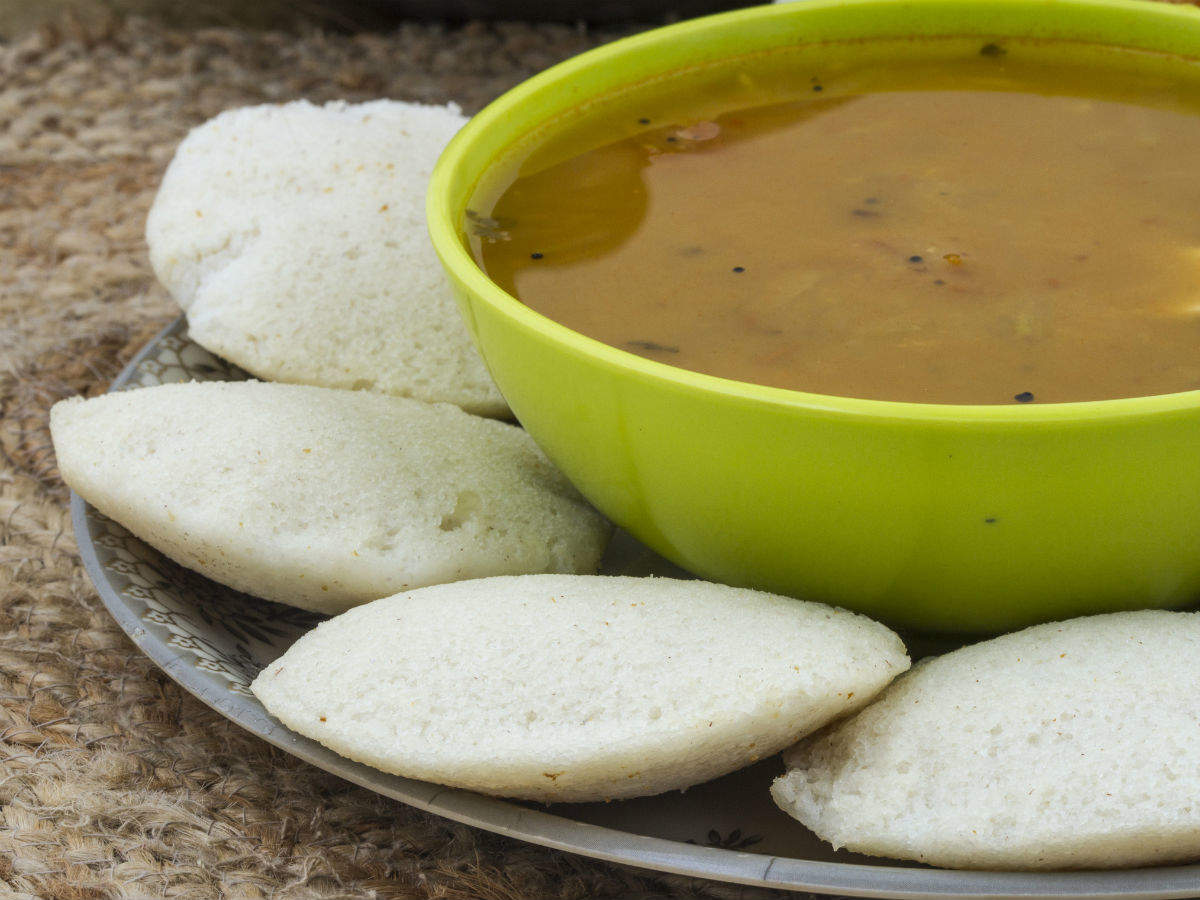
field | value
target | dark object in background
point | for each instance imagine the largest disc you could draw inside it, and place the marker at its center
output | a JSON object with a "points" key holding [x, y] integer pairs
{"points": [[19, 17], [600, 12]]}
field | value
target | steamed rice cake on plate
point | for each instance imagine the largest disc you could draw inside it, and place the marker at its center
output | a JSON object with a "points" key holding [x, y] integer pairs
{"points": [[294, 237], [1070, 745], [575, 688], [320, 498]]}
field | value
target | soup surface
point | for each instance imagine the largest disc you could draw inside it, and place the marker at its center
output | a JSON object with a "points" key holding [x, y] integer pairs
{"points": [[969, 230]]}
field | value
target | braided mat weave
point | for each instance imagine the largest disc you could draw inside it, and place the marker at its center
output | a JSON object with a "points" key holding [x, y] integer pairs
{"points": [[113, 782]]}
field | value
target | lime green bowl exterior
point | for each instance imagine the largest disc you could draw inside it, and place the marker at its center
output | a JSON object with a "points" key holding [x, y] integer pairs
{"points": [[942, 518]]}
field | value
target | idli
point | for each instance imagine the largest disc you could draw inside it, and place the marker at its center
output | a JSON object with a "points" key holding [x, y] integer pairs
{"points": [[294, 236], [1063, 746], [320, 498], [572, 688]]}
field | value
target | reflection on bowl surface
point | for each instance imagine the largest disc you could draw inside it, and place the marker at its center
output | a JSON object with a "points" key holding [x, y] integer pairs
{"points": [[925, 514]]}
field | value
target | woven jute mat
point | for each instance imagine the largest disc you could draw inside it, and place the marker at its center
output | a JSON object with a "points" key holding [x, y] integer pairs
{"points": [[113, 782]]}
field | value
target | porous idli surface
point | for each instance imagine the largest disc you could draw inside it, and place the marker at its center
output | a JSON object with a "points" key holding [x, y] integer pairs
{"points": [[294, 237], [576, 688], [320, 498], [1069, 745]]}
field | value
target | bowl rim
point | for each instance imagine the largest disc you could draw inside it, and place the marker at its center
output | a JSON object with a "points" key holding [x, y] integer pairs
{"points": [[443, 214]]}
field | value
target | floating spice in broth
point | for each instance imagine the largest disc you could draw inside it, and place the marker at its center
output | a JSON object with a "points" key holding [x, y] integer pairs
{"points": [[977, 231]]}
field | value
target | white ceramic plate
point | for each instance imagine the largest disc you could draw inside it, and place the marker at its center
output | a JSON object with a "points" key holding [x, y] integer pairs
{"points": [[213, 642]]}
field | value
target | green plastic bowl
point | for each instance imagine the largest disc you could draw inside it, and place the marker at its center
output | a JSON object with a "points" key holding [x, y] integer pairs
{"points": [[935, 517]]}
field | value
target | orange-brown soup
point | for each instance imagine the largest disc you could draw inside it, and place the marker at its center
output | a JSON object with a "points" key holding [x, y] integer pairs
{"points": [[974, 230]]}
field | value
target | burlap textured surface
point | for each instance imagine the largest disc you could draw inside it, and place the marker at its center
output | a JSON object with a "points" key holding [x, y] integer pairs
{"points": [[113, 782]]}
